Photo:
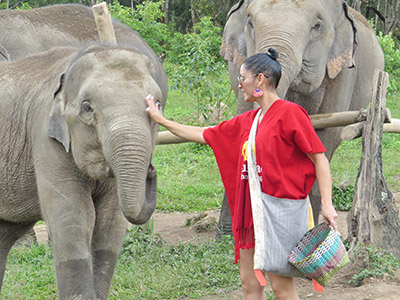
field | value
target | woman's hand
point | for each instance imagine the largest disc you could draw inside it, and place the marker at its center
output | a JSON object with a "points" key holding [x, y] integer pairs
{"points": [[329, 215], [153, 110], [189, 133]]}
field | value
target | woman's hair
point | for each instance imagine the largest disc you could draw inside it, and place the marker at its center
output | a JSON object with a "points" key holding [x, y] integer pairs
{"points": [[265, 63]]}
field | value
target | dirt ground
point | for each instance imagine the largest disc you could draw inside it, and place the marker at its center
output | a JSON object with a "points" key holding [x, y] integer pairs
{"points": [[171, 228]]}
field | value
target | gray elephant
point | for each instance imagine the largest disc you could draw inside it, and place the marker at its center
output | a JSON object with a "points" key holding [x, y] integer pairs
{"points": [[76, 148], [328, 54], [83, 161], [25, 32]]}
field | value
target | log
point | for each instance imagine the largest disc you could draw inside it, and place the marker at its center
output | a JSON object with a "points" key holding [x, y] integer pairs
{"points": [[104, 24], [393, 126], [374, 217], [166, 138], [321, 121], [354, 131]]}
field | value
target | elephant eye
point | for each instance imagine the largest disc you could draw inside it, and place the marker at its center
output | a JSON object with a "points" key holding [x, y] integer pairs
{"points": [[249, 21], [316, 29], [86, 106], [317, 26], [158, 104]]}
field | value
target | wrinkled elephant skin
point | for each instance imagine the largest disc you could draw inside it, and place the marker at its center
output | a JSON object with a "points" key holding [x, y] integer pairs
{"points": [[75, 151], [328, 54]]}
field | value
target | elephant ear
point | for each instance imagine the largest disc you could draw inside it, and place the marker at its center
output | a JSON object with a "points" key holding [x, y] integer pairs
{"points": [[233, 46], [58, 126], [341, 55]]}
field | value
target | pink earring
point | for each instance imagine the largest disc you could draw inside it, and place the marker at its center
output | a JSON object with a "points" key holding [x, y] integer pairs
{"points": [[257, 93]]}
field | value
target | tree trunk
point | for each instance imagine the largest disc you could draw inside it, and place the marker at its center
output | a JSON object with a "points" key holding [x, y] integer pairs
{"points": [[374, 218], [357, 5], [166, 7], [192, 12], [391, 15]]}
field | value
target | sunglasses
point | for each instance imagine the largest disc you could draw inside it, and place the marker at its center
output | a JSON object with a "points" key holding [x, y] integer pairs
{"points": [[241, 78]]}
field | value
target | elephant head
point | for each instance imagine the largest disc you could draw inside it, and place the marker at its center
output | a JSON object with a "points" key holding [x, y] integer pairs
{"points": [[99, 115], [316, 39]]}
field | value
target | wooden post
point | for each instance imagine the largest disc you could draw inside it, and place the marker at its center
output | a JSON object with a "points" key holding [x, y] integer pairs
{"points": [[374, 218], [104, 24]]}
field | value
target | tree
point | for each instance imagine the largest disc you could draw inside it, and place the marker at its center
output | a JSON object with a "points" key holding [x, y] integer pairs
{"points": [[374, 218], [386, 14], [185, 14]]}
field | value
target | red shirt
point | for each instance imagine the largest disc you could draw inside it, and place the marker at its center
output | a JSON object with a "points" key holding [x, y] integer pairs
{"points": [[284, 136]]}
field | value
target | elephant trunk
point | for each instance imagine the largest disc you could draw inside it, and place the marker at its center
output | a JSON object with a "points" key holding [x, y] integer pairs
{"points": [[128, 150], [290, 56]]}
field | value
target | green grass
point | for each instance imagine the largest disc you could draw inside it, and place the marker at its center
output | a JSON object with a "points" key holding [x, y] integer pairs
{"points": [[346, 160], [172, 272], [147, 269], [29, 274], [188, 178], [187, 174]]}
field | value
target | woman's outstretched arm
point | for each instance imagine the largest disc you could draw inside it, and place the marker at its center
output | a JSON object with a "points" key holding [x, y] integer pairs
{"points": [[189, 133]]}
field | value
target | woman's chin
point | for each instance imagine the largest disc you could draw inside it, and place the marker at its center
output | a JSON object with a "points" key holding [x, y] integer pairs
{"points": [[249, 99]]}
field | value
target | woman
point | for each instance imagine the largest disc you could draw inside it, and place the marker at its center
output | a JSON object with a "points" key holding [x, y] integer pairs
{"points": [[289, 158]]}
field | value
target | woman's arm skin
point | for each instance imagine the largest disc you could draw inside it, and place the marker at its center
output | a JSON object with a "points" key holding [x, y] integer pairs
{"points": [[323, 173], [189, 133]]}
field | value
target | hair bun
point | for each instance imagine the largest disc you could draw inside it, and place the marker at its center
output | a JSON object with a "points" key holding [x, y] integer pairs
{"points": [[273, 53]]}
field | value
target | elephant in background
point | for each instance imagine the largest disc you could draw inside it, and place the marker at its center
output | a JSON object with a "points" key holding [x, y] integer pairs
{"points": [[327, 50], [75, 150], [25, 32]]}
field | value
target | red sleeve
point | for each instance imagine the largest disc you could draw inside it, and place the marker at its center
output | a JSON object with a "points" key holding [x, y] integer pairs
{"points": [[303, 132], [226, 140]]}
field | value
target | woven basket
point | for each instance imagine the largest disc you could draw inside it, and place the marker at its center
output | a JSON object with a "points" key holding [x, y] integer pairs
{"points": [[319, 254]]}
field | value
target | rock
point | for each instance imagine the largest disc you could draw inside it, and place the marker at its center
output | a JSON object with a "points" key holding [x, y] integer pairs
{"points": [[345, 185]]}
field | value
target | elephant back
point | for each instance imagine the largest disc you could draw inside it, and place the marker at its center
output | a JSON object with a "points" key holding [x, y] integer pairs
{"points": [[65, 25]]}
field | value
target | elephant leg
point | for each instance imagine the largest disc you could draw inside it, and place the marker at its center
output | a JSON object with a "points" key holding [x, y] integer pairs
{"points": [[9, 234], [108, 235], [225, 220], [331, 137], [70, 216]]}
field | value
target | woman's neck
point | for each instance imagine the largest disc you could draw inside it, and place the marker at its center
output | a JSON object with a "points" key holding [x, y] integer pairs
{"points": [[266, 101]]}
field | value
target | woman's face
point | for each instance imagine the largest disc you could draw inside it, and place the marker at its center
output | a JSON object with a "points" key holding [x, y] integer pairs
{"points": [[247, 84]]}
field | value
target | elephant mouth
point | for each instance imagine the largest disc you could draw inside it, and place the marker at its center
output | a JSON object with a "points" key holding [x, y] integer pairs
{"points": [[303, 86], [151, 172]]}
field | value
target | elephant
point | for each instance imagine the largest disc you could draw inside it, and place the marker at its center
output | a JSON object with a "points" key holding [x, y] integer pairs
{"points": [[31, 31], [60, 160], [328, 53], [75, 151]]}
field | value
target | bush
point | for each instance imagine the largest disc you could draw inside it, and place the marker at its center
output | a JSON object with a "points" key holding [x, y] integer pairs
{"points": [[342, 199], [201, 71], [392, 61], [205, 39], [378, 263], [146, 21]]}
